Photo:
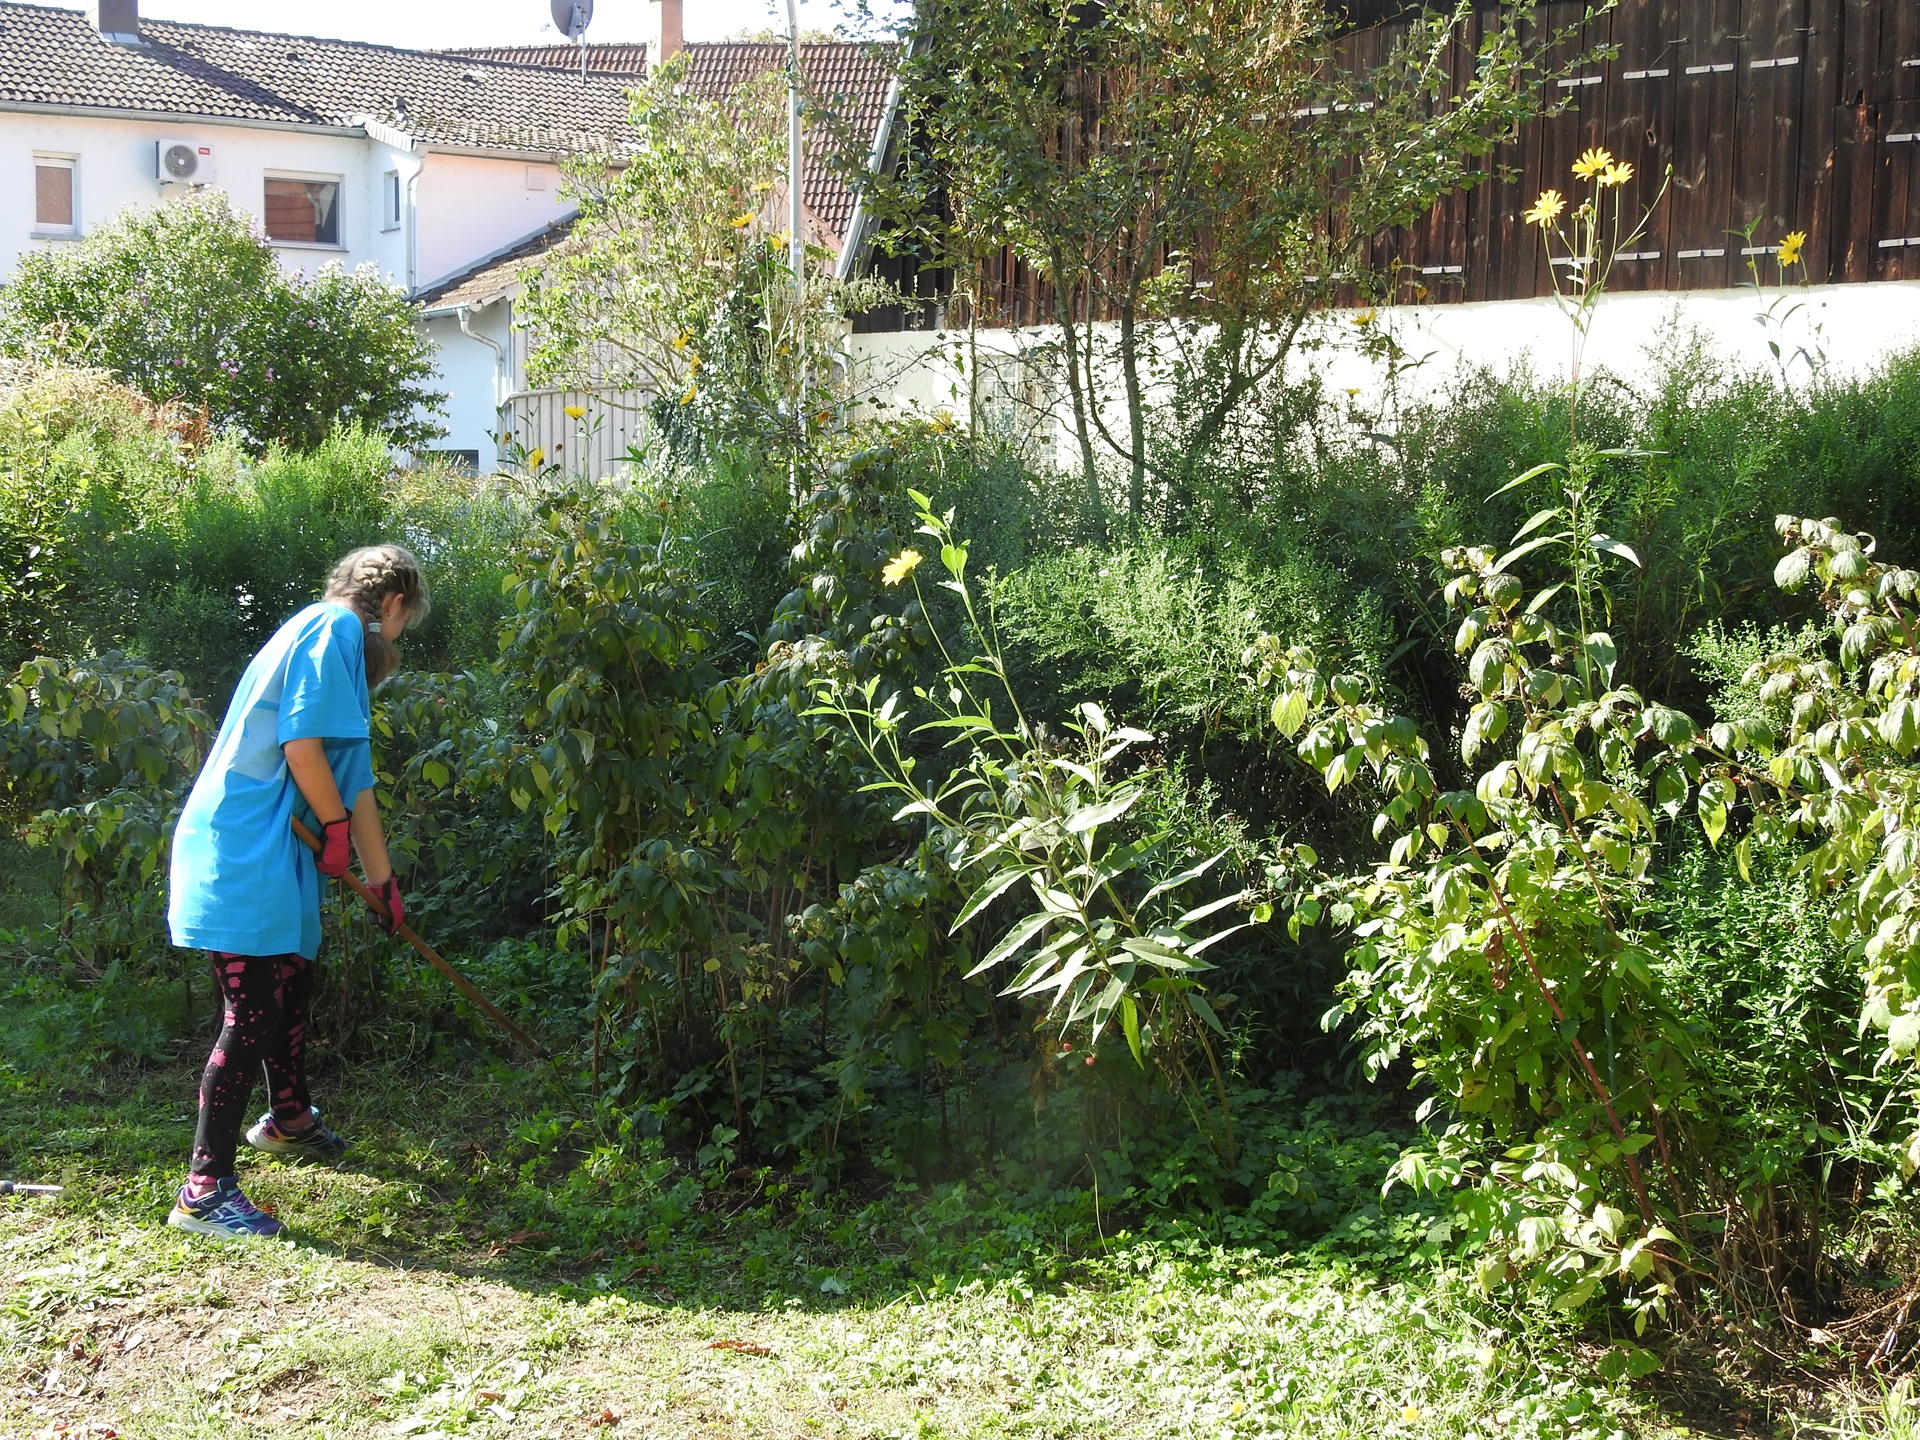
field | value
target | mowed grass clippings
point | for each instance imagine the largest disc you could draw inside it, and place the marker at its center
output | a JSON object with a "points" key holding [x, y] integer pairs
{"points": [[438, 1285]]}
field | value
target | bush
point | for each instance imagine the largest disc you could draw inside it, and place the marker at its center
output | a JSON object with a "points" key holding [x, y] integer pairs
{"points": [[187, 303]]}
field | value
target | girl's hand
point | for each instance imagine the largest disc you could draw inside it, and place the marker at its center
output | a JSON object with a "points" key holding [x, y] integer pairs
{"points": [[333, 857], [388, 892]]}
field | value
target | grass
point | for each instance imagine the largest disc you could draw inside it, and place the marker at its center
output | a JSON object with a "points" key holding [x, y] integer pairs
{"points": [[495, 1263], [500, 1260]]}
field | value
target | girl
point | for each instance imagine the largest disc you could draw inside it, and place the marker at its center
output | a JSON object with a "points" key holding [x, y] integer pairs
{"points": [[244, 887]]}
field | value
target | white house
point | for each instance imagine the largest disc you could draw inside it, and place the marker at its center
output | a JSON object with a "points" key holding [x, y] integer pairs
{"points": [[419, 163], [441, 168]]}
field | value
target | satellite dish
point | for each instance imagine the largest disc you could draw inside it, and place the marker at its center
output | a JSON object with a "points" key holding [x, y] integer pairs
{"points": [[571, 17]]}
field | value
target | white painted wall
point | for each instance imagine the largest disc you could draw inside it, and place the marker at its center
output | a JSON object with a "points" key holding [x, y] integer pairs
{"points": [[115, 170], [1017, 389], [474, 376], [472, 206]]}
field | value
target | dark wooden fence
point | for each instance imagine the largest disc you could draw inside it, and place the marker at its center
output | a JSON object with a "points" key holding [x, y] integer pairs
{"points": [[1776, 116], [1781, 115]]}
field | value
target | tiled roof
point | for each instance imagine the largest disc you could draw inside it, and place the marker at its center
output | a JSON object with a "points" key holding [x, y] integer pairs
{"points": [[845, 80], [55, 57], [492, 276], [617, 59]]}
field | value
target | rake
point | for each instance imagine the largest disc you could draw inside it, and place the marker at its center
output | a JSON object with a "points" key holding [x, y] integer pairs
{"points": [[15, 1187], [460, 982]]}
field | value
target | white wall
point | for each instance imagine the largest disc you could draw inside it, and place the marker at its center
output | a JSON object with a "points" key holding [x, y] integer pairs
{"points": [[472, 206], [116, 169], [1017, 386], [473, 376]]}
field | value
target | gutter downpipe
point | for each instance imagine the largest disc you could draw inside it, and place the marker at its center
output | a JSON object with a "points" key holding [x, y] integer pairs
{"points": [[465, 314]]}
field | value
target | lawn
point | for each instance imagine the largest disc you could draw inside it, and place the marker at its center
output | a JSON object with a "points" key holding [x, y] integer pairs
{"points": [[491, 1263]]}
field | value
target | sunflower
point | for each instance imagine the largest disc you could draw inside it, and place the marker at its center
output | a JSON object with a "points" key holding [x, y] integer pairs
{"points": [[1546, 209], [742, 220], [537, 459], [1592, 163], [901, 566], [1790, 247]]}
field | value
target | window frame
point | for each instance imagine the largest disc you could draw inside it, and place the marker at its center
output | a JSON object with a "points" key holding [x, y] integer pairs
{"points": [[308, 177], [57, 160], [393, 201]]}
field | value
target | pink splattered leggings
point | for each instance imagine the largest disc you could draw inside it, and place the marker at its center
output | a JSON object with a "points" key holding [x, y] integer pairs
{"points": [[265, 1028]]}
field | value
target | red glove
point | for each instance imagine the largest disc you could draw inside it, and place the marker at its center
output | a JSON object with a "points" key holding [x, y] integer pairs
{"points": [[388, 893], [334, 836]]}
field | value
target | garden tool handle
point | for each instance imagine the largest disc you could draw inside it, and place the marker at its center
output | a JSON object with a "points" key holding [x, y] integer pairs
{"points": [[15, 1187], [460, 982]]}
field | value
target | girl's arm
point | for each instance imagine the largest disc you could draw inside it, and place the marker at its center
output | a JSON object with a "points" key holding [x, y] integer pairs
{"points": [[307, 761], [370, 841]]}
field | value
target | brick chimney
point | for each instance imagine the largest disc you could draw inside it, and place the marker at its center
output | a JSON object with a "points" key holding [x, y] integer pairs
{"points": [[665, 36], [118, 21]]}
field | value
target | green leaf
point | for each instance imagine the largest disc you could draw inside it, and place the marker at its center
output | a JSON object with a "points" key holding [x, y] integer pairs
{"points": [[1290, 712], [1520, 480], [1130, 1024], [1791, 573], [991, 891], [1538, 542], [1611, 546], [1011, 944], [1174, 882], [1540, 518], [1092, 815], [1201, 912]]}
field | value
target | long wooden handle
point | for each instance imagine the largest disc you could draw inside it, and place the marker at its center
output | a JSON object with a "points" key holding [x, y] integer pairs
{"points": [[460, 982]]}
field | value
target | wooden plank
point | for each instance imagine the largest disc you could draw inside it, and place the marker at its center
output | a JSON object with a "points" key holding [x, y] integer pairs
{"points": [[1767, 153], [1896, 194], [1706, 154], [1639, 130], [1859, 50], [1854, 162], [1819, 93]]}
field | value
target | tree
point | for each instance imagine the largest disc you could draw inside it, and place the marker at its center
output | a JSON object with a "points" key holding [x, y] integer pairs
{"points": [[1217, 162], [185, 302], [672, 283]]}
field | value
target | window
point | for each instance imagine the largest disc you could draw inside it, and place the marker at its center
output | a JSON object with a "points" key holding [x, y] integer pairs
{"points": [[54, 210], [390, 200], [303, 212]]}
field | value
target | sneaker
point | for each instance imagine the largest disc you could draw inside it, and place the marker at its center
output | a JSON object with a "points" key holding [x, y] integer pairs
{"points": [[316, 1144], [224, 1212]]}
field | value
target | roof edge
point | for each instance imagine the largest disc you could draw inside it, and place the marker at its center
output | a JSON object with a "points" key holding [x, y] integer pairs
{"points": [[182, 119]]}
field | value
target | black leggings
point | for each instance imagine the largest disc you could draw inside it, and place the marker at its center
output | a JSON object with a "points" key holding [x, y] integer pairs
{"points": [[265, 1029]]}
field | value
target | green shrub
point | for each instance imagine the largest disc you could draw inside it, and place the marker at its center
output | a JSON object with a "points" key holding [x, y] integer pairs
{"points": [[187, 303]]}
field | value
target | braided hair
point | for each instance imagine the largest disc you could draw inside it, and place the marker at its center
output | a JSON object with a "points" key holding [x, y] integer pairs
{"points": [[362, 581]]}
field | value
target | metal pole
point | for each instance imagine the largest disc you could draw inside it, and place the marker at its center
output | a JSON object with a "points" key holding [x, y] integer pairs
{"points": [[796, 241]]}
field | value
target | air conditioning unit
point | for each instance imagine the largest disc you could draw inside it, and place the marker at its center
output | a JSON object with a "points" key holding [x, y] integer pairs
{"points": [[182, 162]]}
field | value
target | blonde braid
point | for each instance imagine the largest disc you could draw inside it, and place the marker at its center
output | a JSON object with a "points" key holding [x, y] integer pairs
{"points": [[362, 581]]}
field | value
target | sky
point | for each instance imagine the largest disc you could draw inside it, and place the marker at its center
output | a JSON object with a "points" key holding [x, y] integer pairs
{"points": [[441, 24]]}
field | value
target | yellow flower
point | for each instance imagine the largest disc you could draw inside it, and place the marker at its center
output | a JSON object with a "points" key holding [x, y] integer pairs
{"points": [[574, 412], [537, 459], [1592, 163], [1790, 247], [901, 566], [1353, 390], [1365, 317], [692, 390], [1546, 208], [683, 339], [941, 423], [742, 220], [1409, 1413], [1617, 174]]}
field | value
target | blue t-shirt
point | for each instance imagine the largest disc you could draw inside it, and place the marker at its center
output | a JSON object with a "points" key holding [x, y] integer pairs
{"points": [[242, 881]]}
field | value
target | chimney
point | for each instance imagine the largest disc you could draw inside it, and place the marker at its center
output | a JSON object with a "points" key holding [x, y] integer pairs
{"points": [[664, 39], [118, 21]]}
